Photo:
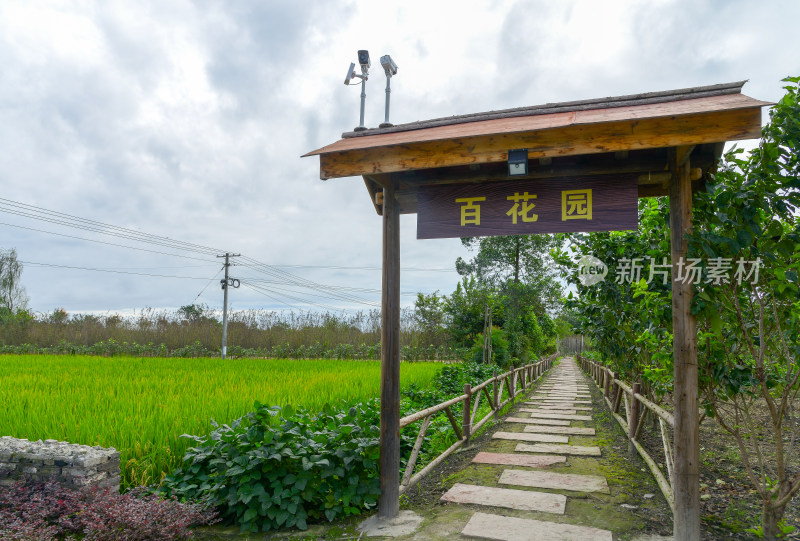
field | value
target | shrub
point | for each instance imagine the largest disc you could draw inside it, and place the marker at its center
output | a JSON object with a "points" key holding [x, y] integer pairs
{"points": [[278, 467], [44, 511]]}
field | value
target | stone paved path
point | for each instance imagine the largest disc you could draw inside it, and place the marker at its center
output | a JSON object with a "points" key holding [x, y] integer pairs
{"points": [[548, 422]]}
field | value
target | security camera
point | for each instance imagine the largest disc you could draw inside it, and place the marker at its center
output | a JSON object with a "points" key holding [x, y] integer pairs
{"points": [[388, 65], [363, 59], [351, 72]]}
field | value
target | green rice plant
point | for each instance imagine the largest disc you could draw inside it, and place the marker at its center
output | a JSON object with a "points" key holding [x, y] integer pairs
{"points": [[141, 406]]}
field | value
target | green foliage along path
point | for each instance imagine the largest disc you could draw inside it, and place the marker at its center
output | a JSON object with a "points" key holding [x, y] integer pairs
{"points": [[141, 406]]}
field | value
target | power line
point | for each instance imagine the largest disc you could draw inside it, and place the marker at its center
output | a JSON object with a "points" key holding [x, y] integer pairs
{"points": [[270, 294], [340, 267], [60, 218], [208, 284], [104, 242], [113, 271], [258, 266], [336, 293]]}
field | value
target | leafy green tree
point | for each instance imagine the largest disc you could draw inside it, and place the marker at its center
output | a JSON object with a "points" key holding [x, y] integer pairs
{"points": [[516, 259], [748, 325], [12, 293], [466, 308], [628, 316], [748, 221], [430, 317], [522, 275]]}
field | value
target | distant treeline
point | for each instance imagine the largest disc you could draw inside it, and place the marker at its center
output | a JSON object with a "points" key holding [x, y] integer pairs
{"points": [[195, 331]]}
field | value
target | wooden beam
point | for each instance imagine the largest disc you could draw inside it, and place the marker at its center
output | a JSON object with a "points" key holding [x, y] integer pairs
{"points": [[562, 141], [389, 461], [656, 190], [695, 173], [560, 168], [682, 153], [686, 472]]}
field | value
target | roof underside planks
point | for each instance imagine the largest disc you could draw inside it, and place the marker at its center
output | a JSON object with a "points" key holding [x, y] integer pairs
{"points": [[619, 139]]}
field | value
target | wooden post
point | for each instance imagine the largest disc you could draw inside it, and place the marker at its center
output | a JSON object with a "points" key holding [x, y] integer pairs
{"points": [[496, 403], [466, 425], [633, 419], [607, 377], [389, 461], [686, 471]]}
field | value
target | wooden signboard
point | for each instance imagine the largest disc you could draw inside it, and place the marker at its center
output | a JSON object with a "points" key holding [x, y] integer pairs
{"points": [[526, 207]]}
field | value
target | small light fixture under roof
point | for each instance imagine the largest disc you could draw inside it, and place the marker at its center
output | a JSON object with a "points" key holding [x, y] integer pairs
{"points": [[518, 162]]}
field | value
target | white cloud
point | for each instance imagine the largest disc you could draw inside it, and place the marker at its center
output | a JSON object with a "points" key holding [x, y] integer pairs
{"points": [[188, 119]]}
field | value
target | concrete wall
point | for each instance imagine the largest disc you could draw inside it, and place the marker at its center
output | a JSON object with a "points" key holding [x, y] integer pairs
{"points": [[68, 464]]}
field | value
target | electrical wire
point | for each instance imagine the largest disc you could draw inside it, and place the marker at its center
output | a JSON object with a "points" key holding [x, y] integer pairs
{"points": [[271, 294], [413, 269], [208, 284], [336, 293], [105, 242], [264, 268], [60, 218], [113, 271]]}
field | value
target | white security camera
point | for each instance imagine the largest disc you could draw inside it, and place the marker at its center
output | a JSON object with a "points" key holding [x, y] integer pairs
{"points": [[351, 72], [363, 59], [388, 65]]}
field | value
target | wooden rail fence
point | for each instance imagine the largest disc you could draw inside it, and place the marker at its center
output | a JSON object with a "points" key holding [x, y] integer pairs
{"points": [[514, 381], [616, 394]]}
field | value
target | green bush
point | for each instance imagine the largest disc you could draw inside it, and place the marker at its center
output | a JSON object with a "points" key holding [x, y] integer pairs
{"points": [[278, 467], [499, 349]]}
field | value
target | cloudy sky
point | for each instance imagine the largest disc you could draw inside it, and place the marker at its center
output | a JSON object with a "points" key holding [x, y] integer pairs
{"points": [[187, 120]]}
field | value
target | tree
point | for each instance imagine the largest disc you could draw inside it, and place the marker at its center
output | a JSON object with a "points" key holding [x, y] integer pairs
{"points": [[12, 294], [429, 316], [516, 259], [749, 332], [748, 325], [196, 313], [466, 308], [521, 274]]}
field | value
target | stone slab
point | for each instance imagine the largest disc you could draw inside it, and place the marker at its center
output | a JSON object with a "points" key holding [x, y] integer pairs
{"points": [[500, 528], [523, 436], [556, 401], [580, 450], [552, 422], [540, 415], [573, 430], [552, 400], [524, 500], [562, 411], [406, 523], [556, 481], [512, 459], [562, 407]]}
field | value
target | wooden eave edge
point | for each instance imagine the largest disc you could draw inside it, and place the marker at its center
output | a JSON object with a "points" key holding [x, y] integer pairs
{"points": [[729, 102]]}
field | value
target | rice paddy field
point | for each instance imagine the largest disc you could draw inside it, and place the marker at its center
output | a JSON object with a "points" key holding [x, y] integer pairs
{"points": [[141, 406]]}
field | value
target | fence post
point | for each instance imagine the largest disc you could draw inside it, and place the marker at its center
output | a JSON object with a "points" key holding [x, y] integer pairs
{"points": [[465, 424], [496, 404], [633, 420], [609, 375]]}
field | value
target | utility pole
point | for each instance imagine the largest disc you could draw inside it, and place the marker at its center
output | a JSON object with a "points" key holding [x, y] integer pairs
{"points": [[226, 282]]}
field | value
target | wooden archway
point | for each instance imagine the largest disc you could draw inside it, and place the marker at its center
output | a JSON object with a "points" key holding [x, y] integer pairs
{"points": [[669, 142]]}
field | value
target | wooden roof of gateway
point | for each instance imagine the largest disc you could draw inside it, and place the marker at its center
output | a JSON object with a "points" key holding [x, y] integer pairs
{"points": [[624, 136]]}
